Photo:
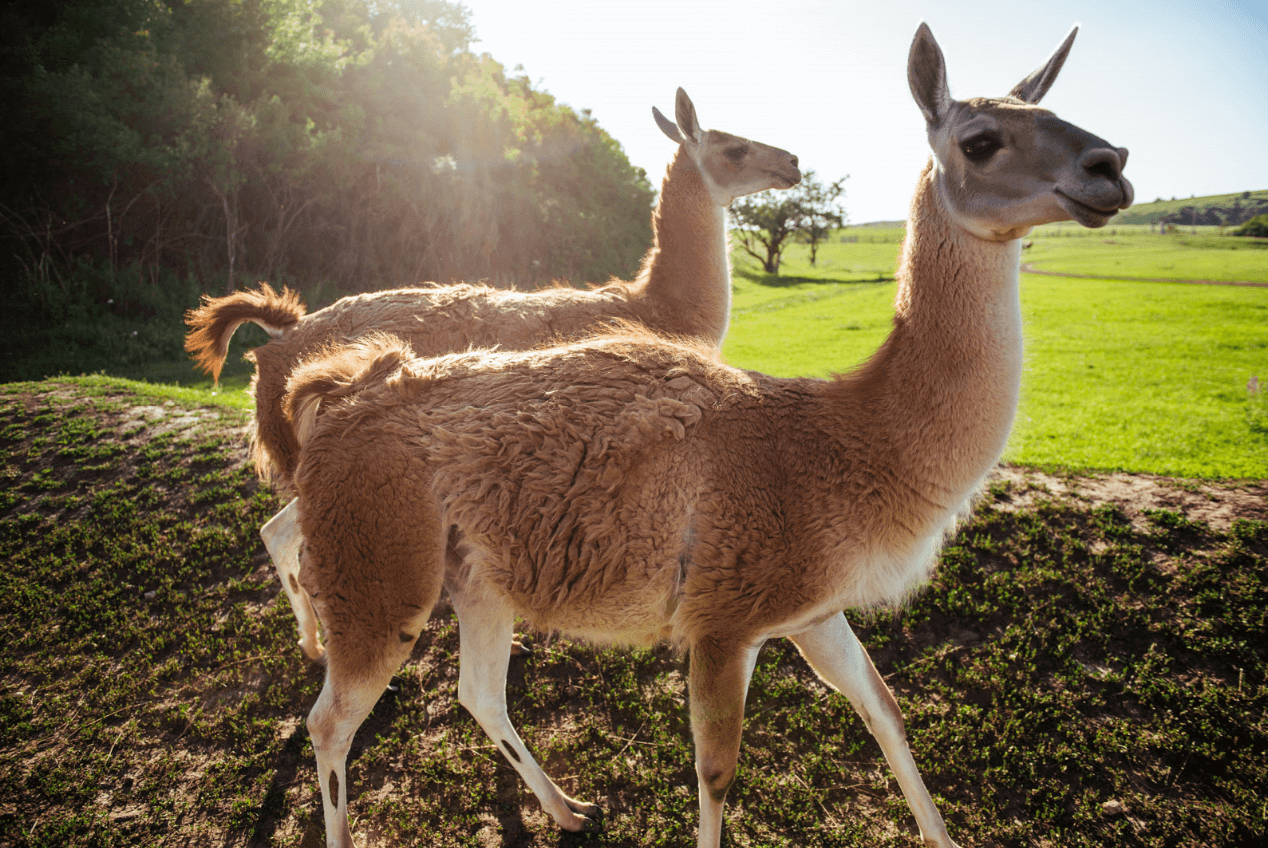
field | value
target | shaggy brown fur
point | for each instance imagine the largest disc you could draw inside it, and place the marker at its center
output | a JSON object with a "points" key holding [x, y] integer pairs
{"points": [[683, 288], [632, 488]]}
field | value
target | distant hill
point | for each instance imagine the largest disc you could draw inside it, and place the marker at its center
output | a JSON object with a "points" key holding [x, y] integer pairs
{"points": [[1216, 210]]}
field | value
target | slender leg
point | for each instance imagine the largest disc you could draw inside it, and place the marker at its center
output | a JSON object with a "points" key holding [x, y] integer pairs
{"points": [[718, 684], [374, 576], [484, 639], [837, 656], [345, 700], [364, 652], [282, 538]]}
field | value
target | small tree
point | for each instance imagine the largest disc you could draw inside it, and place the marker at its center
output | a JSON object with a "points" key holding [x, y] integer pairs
{"points": [[765, 222], [822, 211]]}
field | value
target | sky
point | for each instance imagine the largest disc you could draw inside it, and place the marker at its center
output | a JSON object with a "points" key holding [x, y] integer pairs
{"points": [[1182, 85]]}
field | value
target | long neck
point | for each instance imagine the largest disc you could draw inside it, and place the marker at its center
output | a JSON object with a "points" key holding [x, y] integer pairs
{"points": [[944, 386], [686, 275]]}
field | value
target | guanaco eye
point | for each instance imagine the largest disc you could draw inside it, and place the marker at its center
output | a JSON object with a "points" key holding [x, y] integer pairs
{"points": [[981, 147], [736, 154]]}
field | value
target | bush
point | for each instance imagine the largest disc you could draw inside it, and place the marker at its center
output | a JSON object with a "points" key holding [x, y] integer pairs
{"points": [[1257, 226], [94, 319]]}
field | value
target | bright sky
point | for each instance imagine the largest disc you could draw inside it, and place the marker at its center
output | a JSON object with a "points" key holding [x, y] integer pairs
{"points": [[1182, 85]]}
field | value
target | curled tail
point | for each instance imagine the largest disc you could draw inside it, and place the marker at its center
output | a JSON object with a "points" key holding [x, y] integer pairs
{"points": [[338, 372], [213, 324]]}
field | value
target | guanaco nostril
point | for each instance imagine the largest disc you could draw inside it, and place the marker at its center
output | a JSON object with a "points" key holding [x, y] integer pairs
{"points": [[1103, 162], [794, 161], [1122, 156]]}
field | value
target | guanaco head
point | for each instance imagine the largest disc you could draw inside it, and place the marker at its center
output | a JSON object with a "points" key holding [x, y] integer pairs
{"points": [[1004, 165], [731, 166]]}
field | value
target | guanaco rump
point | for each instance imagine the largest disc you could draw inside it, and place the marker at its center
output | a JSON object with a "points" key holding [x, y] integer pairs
{"points": [[684, 288], [632, 488]]}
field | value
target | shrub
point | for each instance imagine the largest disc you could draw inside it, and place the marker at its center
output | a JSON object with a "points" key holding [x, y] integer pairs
{"points": [[1257, 226]]}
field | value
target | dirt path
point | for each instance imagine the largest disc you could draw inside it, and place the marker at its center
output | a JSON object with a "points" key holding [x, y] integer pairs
{"points": [[1217, 503]]}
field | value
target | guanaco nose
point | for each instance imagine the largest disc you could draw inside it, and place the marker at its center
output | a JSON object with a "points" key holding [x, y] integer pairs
{"points": [[1107, 162]]}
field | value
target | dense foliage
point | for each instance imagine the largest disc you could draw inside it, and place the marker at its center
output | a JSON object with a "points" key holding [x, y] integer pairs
{"points": [[156, 148], [1257, 226]]}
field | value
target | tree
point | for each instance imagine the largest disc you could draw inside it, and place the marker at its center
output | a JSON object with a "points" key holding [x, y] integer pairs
{"points": [[765, 222], [822, 212], [356, 142], [153, 149]]}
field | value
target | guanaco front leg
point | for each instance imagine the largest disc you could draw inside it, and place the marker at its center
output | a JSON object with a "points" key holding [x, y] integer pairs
{"points": [[837, 656], [484, 639]]}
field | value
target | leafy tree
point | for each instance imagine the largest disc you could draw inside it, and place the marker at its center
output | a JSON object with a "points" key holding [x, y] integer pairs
{"points": [[765, 222], [348, 140], [822, 211], [359, 143]]}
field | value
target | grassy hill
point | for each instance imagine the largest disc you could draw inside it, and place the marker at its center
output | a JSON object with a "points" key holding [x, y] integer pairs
{"points": [[1231, 209]]}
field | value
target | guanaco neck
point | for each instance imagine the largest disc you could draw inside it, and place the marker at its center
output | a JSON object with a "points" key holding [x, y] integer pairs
{"points": [[687, 274], [944, 385]]}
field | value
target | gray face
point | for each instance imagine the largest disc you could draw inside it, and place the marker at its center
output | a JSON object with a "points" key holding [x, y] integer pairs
{"points": [[1004, 164]]}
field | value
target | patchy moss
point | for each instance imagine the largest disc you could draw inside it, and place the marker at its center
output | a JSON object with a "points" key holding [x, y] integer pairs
{"points": [[1079, 673]]}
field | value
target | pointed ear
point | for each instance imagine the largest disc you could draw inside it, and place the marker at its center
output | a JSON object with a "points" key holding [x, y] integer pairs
{"points": [[685, 112], [1034, 87], [927, 76], [667, 126]]}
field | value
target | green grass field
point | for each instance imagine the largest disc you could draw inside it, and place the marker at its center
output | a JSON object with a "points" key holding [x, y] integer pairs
{"points": [[1149, 256], [1136, 376], [1120, 374]]}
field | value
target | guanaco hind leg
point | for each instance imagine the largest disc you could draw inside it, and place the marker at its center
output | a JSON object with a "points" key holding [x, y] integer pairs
{"points": [[484, 640], [837, 656], [283, 540], [717, 685]]}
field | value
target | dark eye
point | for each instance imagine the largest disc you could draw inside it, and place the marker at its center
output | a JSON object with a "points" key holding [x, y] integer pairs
{"points": [[736, 154], [981, 147]]}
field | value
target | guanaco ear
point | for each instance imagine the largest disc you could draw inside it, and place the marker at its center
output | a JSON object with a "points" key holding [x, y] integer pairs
{"points": [[927, 76], [685, 112], [1034, 87], [667, 126]]}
